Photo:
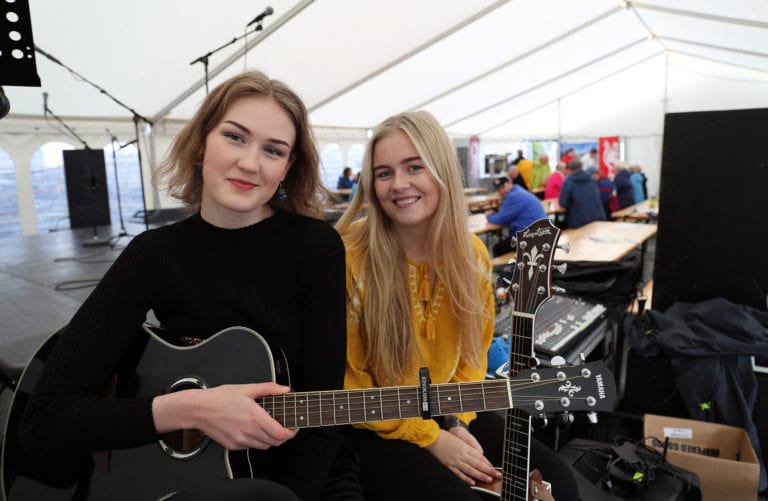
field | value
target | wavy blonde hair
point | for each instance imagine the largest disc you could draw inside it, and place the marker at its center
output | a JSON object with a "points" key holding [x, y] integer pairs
{"points": [[180, 171], [386, 325]]}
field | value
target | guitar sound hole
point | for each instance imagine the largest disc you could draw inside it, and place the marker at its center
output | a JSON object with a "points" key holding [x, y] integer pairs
{"points": [[185, 441], [185, 444]]}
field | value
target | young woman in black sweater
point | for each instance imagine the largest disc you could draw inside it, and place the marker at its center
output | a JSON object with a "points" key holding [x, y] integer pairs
{"points": [[255, 254]]}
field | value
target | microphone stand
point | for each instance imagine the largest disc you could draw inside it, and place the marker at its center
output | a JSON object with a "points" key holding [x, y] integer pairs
{"points": [[136, 118], [204, 58], [96, 241], [123, 232]]}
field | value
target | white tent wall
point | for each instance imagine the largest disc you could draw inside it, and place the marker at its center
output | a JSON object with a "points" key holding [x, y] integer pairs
{"points": [[504, 71], [22, 146]]}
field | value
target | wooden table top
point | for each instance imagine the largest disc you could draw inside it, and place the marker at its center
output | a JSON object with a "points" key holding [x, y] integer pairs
{"points": [[638, 212], [603, 240], [600, 241], [552, 206], [471, 190], [479, 224]]}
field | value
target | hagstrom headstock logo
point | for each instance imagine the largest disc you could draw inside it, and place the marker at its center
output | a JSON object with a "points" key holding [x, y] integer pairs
{"points": [[533, 259], [541, 231]]}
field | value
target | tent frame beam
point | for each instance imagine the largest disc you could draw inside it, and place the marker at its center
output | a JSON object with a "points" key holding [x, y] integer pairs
{"points": [[232, 58]]}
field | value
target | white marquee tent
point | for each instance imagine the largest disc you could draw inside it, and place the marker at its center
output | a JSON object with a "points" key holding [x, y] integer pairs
{"points": [[503, 71]]}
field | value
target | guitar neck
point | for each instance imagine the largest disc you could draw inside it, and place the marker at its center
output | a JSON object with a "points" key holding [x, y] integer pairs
{"points": [[517, 427], [530, 287], [338, 407]]}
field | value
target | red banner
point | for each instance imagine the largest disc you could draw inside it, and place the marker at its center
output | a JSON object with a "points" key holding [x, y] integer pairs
{"points": [[608, 153]]}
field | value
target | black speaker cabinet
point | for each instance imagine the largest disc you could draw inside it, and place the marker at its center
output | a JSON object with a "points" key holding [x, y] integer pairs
{"points": [[712, 232], [87, 195]]}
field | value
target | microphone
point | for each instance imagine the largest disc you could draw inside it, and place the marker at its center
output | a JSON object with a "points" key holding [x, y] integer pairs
{"points": [[45, 103], [267, 12]]}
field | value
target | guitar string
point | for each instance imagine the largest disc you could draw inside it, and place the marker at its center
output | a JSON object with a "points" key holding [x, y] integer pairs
{"points": [[515, 484], [387, 402], [515, 457]]}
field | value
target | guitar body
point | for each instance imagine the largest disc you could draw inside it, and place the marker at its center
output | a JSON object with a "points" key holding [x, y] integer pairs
{"points": [[238, 355], [539, 490], [157, 469]]}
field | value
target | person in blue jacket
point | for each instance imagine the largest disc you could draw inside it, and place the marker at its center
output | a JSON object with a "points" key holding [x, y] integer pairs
{"points": [[580, 196], [345, 180], [519, 208]]}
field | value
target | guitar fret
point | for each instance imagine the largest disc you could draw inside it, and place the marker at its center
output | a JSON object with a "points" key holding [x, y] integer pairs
{"points": [[323, 408], [523, 315]]}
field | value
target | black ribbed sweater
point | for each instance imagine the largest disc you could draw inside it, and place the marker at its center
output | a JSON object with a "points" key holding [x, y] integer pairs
{"points": [[283, 277]]}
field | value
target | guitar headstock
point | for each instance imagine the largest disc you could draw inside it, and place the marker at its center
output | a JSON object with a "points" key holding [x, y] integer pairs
{"points": [[586, 387], [535, 251]]}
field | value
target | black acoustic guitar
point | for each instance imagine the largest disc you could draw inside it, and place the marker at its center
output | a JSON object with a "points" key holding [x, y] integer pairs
{"points": [[240, 355], [530, 287]]}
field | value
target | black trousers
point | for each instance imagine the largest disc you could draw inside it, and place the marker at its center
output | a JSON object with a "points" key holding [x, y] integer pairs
{"points": [[399, 470], [342, 484], [238, 489]]}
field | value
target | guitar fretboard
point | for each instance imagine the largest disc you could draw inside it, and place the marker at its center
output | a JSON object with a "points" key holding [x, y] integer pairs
{"points": [[328, 408]]}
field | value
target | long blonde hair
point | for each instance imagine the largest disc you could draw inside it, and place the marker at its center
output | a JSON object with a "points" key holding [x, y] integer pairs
{"points": [[386, 325], [181, 168]]}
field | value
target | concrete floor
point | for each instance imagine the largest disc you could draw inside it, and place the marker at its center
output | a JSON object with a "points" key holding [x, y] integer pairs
{"points": [[43, 280]]}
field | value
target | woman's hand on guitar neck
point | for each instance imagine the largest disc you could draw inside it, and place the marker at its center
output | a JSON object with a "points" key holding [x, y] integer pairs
{"points": [[228, 414], [461, 453]]}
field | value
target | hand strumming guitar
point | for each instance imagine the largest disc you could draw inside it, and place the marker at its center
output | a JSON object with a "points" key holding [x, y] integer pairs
{"points": [[458, 449], [228, 414]]}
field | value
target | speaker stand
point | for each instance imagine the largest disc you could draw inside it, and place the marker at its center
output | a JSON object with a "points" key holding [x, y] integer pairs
{"points": [[95, 241], [123, 232]]}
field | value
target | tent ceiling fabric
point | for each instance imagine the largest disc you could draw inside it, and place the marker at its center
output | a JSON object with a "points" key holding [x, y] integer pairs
{"points": [[519, 68]]}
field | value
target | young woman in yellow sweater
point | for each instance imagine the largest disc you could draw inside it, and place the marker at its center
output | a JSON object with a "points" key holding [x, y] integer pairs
{"points": [[419, 294]]}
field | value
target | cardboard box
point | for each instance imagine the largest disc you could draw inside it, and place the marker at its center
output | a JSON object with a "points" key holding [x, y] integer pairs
{"points": [[722, 456]]}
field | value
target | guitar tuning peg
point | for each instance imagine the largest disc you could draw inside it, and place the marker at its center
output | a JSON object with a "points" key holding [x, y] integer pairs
{"points": [[558, 289], [557, 361], [541, 421], [641, 302], [592, 416], [512, 262], [566, 418], [582, 358], [561, 268], [565, 247]]}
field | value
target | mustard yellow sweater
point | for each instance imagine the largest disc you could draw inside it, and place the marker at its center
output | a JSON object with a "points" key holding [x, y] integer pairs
{"points": [[439, 344]]}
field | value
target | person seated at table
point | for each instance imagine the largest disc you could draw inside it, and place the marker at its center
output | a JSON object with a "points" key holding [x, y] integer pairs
{"points": [[346, 180], [519, 208], [525, 168], [624, 191], [606, 187], [540, 172], [581, 196], [419, 293], [638, 180], [514, 175], [555, 182]]}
